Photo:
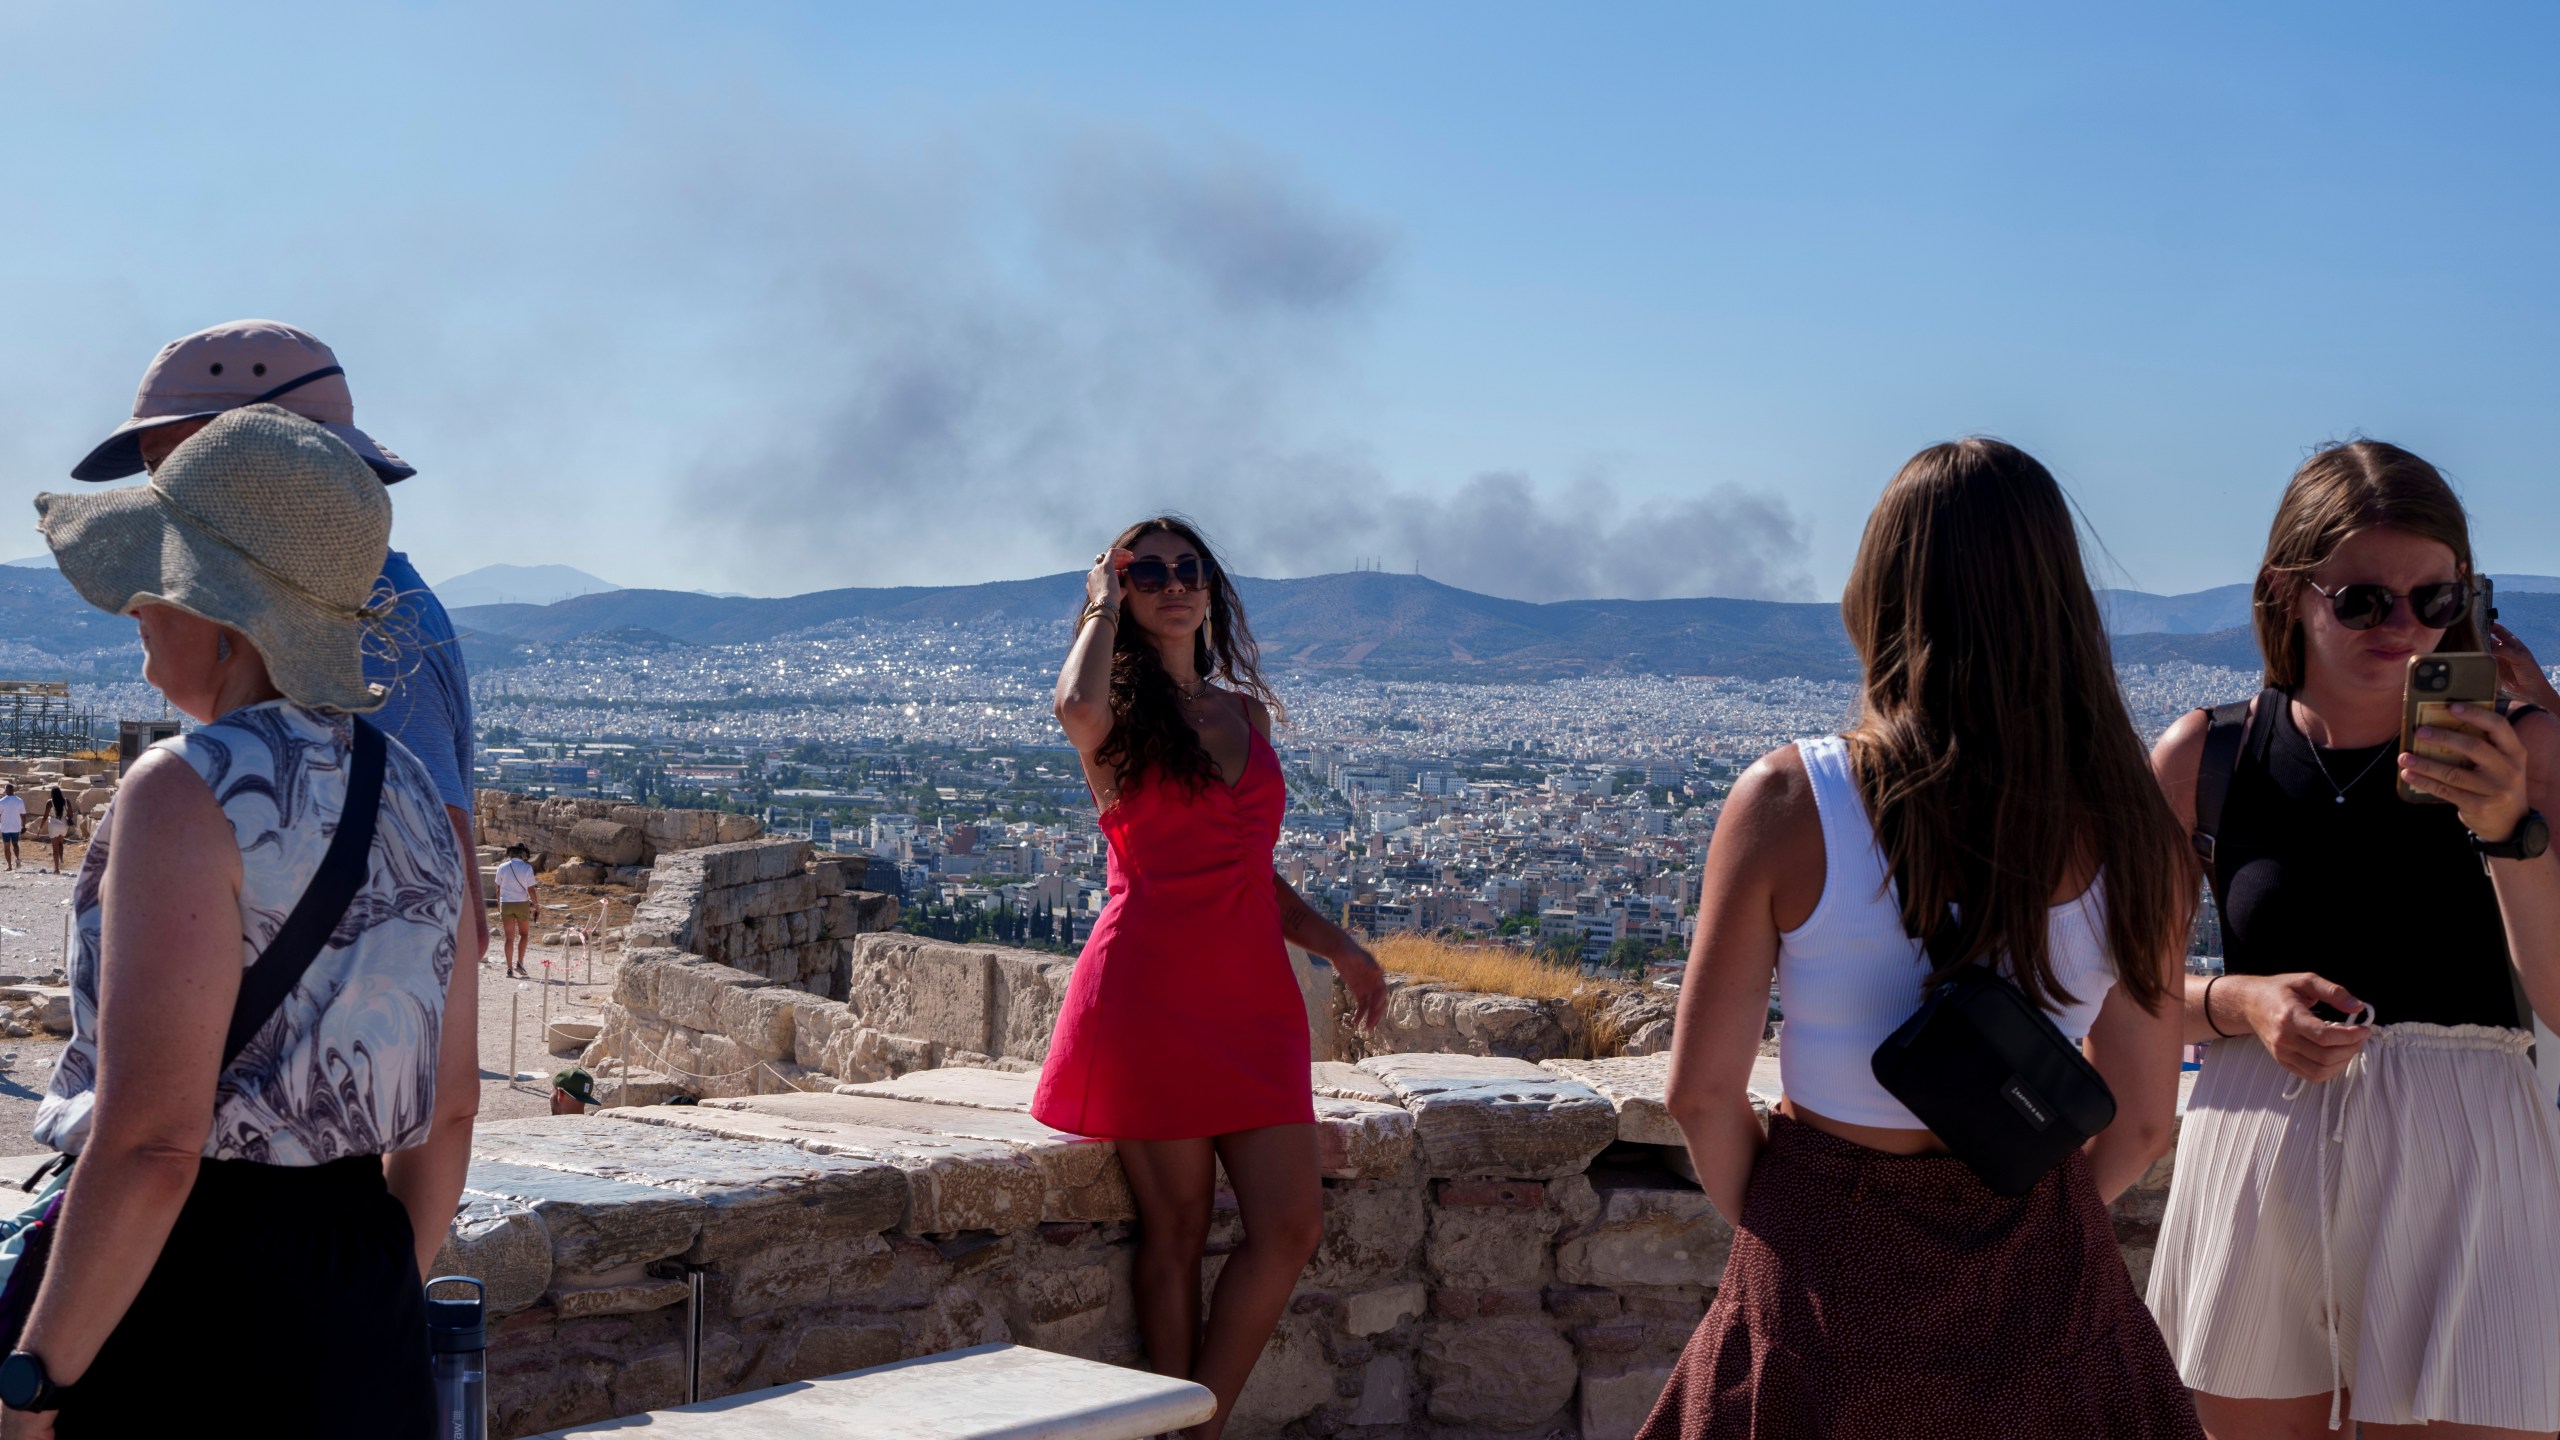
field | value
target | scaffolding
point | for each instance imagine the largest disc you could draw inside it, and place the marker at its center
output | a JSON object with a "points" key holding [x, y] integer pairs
{"points": [[37, 718]]}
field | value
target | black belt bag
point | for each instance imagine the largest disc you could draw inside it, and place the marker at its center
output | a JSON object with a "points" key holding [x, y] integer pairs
{"points": [[1993, 1077]]}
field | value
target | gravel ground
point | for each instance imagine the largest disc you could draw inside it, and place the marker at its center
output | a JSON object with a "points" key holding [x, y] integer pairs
{"points": [[34, 901]]}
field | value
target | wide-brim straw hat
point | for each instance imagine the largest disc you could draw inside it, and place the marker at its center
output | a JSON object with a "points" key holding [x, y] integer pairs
{"points": [[263, 521]]}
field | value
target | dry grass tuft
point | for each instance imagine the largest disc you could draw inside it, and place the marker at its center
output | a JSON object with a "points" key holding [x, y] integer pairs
{"points": [[1501, 970]]}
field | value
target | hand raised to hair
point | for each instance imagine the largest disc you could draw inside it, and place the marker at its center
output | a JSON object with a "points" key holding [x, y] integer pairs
{"points": [[2519, 674], [2277, 1009], [2487, 783], [1102, 582]]}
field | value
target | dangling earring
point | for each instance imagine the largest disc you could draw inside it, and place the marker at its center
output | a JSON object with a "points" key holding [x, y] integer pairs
{"points": [[221, 647]]}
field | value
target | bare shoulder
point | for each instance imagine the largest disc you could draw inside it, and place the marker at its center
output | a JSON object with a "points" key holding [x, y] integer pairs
{"points": [[2175, 760], [2539, 730], [161, 784], [1772, 803], [1258, 713]]}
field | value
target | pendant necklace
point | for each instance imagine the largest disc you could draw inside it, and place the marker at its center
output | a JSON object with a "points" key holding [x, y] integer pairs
{"points": [[2333, 782]]}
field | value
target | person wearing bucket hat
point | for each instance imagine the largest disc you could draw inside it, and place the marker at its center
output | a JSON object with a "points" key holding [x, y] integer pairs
{"points": [[270, 1113], [427, 701]]}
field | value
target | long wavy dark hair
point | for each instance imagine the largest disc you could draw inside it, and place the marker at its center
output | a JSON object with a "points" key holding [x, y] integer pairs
{"points": [[1995, 753], [1149, 736]]}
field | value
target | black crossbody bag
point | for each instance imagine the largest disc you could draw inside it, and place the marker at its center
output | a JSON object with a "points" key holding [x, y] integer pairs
{"points": [[1992, 1076], [264, 987]]}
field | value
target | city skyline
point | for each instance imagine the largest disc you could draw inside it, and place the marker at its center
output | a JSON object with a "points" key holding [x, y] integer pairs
{"points": [[1648, 303]]}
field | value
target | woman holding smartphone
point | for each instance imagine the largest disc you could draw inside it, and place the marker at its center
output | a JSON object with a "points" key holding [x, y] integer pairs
{"points": [[1184, 1036], [1877, 1289], [2364, 1227]]}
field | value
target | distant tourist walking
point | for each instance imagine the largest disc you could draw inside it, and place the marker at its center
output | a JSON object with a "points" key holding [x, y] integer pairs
{"points": [[417, 660], [2364, 1226], [13, 821], [57, 823], [271, 1117], [1184, 1034], [519, 896], [1990, 806]]}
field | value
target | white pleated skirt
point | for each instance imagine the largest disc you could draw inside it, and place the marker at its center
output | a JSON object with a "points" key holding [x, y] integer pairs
{"points": [[2391, 1236]]}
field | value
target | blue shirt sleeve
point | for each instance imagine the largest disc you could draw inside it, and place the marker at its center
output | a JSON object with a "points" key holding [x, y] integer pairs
{"points": [[430, 706]]}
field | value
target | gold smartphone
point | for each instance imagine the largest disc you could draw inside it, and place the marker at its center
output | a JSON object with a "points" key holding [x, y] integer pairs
{"points": [[2434, 685]]}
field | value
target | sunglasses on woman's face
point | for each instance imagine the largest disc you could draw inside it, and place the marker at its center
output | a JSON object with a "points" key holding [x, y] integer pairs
{"points": [[2362, 607], [1148, 574]]}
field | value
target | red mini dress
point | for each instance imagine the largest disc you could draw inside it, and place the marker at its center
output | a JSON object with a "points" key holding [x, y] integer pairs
{"points": [[1184, 1018]]}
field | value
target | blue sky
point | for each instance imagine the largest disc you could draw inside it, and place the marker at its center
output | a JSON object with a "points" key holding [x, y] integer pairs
{"points": [[1547, 301]]}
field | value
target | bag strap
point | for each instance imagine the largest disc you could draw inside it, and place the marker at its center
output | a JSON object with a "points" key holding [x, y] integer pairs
{"points": [[305, 932]]}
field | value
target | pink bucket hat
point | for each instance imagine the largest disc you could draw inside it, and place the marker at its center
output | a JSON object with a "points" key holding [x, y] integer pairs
{"points": [[247, 362]]}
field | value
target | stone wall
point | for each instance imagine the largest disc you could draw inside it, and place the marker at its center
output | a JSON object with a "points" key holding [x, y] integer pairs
{"points": [[620, 840], [1505, 1252], [728, 970]]}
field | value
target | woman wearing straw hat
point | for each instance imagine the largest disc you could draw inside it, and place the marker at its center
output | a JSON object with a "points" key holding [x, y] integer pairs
{"points": [[271, 1117]]}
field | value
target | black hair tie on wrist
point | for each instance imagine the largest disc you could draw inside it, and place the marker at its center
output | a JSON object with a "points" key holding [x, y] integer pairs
{"points": [[2208, 1007]]}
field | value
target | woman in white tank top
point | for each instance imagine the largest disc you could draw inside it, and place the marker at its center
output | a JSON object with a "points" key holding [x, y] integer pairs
{"points": [[1876, 1287]]}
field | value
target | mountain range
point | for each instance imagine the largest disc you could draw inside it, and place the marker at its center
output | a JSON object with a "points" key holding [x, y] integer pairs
{"points": [[1368, 623]]}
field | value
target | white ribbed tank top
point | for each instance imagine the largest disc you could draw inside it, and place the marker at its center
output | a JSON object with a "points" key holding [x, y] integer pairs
{"points": [[1848, 976]]}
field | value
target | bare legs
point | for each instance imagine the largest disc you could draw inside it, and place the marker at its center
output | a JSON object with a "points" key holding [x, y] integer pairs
{"points": [[1282, 1202], [516, 937], [2306, 1417]]}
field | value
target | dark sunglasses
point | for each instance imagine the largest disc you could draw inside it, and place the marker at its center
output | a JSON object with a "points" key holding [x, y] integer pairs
{"points": [[1148, 575], [2362, 607]]}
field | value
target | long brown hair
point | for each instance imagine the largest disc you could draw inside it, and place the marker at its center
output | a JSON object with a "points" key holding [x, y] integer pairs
{"points": [[1994, 751], [1149, 735], [2342, 489]]}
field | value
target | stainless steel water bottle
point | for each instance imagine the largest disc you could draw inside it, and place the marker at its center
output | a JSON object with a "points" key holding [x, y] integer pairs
{"points": [[458, 1346]]}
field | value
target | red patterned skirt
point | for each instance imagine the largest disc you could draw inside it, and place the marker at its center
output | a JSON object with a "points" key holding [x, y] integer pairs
{"points": [[1882, 1297]]}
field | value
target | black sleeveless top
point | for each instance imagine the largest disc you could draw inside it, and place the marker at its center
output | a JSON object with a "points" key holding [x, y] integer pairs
{"points": [[2379, 895]]}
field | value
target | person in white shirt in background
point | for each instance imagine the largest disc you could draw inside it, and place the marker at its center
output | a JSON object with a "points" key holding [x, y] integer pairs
{"points": [[518, 897], [13, 819]]}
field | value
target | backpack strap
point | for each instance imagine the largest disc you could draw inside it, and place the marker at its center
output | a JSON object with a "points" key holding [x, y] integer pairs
{"points": [[2225, 727], [305, 932]]}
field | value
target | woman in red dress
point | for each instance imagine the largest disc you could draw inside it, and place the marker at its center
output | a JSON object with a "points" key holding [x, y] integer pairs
{"points": [[1184, 1036]]}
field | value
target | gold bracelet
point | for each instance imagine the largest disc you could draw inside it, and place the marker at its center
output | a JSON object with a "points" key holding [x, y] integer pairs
{"points": [[1098, 610]]}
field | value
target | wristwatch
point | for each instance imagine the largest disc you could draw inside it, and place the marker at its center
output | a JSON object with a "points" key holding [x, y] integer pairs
{"points": [[2532, 837], [25, 1386]]}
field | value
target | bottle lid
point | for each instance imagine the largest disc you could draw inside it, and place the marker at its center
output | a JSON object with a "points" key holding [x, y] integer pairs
{"points": [[454, 1326]]}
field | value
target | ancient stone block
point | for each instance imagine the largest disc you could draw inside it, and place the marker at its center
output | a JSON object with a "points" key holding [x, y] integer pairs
{"points": [[1081, 1176], [814, 1026], [1502, 1373], [608, 842], [1293, 1377], [690, 994], [953, 1183], [1476, 1115], [620, 1298], [1386, 1394], [979, 1089], [1372, 1312], [763, 1020], [502, 1243], [1362, 1140], [1339, 1080], [1616, 1399], [835, 1349], [1426, 1016], [750, 1195], [729, 904], [1490, 1247], [1373, 1231], [1648, 1235], [1029, 990], [594, 1225], [813, 1272], [1635, 1085]]}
